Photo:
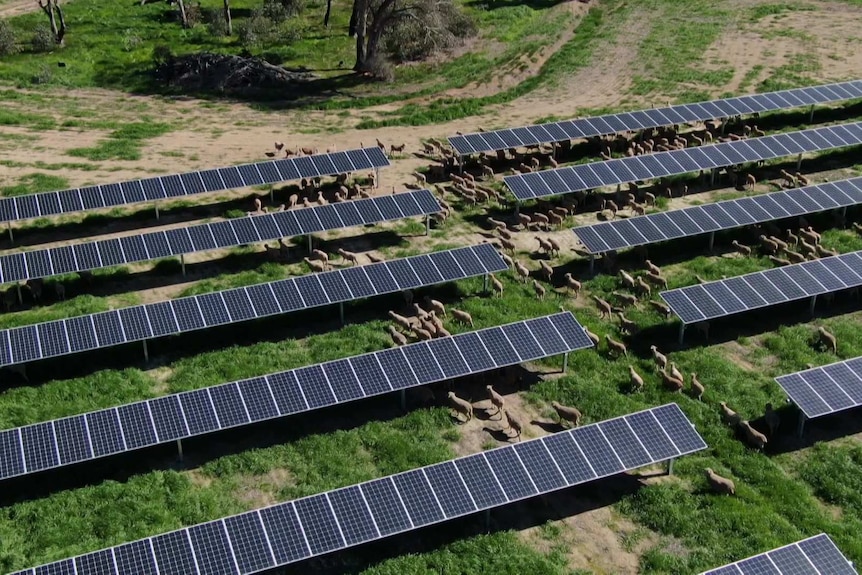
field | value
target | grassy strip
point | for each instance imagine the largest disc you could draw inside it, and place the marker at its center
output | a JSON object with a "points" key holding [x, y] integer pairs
{"points": [[35, 183], [124, 143]]}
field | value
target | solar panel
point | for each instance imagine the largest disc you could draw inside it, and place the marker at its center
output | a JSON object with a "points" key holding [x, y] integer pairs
{"points": [[614, 123], [660, 164], [653, 228], [280, 394], [202, 237], [827, 389], [106, 329], [178, 185], [815, 555], [288, 532], [761, 289]]}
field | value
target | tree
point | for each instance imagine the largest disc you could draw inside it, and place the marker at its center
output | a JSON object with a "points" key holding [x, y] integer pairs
{"points": [[227, 18], [184, 17], [327, 14], [55, 15]]}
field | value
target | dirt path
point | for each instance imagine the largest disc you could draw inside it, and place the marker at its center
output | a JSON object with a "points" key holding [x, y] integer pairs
{"points": [[9, 8]]}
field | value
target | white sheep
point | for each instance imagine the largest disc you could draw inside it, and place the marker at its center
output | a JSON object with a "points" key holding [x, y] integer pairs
{"points": [[461, 406], [676, 372], [497, 285], [348, 256], [401, 320], [697, 387], [436, 306], [522, 271], [496, 400], [660, 358], [637, 382], [539, 289], [513, 424], [605, 308], [617, 347], [671, 382], [572, 284], [547, 270], [397, 337], [316, 266], [827, 339], [462, 316], [754, 438], [728, 415], [420, 313], [566, 413]]}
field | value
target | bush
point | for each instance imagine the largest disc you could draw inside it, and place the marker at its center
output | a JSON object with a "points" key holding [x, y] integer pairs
{"points": [[162, 54], [379, 67], [131, 41], [261, 31], [194, 14], [280, 10], [43, 39], [8, 41], [442, 26], [214, 19]]}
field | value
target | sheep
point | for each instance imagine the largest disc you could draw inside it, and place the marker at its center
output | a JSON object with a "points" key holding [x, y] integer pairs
{"points": [[626, 298], [462, 316], [566, 413], [827, 339], [497, 224], [544, 245], [803, 181], [754, 438], [806, 248], [779, 261], [651, 267], [659, 357], [503, 233], [35, 286], [422, 334], [768, 245], [628, 280], [604, 307], [656, 279], [809, 234], [823, 252], [555, 247], [420, 313], [636, 380], [460, 406], [524, 221], [348, 256], [497, 285], [782, 245], [397, 337], [315, 265], [487, 172], [420, 178], [539, 289], [400, 148], [617, 347], [719, 484], [643, 287], [697, 388], [572, 284], [436, 306], [728, 415], [750, 180], [742, 249], [627, 325], [670, 382], [507, 245], [794, 257], [513, 424], [522, 271], [429, 326], [547, 270], [509, 261], [661, 308], [401, 320], [676, 372], [496, 400], [320, 256], [595, 339], [649, 199]]}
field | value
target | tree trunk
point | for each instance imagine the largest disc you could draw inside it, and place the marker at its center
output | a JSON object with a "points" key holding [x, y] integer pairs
{"points": [[361, 9], [183, 18], [351, 27], [227, 18], [61, 33], [52, 9], [328, 13]]}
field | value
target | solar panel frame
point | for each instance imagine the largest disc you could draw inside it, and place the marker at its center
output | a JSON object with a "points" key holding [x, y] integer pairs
{"points": [[368, 511], [824, 390]]}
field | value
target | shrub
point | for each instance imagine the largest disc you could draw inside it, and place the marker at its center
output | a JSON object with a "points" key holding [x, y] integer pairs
{"points": [[442, 26], [8, 41], [214, 19], [194, 14], [43, 39], [162, 54], [254, 32], [280, 10], [379, 67], [131, 41]]}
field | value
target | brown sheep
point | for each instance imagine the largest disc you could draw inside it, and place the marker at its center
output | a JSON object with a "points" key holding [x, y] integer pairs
{"points": [[661, 308], [316, 266], [742, 249], [616, 347], [643, 288], [565, 413], [697, 388], [660, 358], [754, 438], [827, 339], [636, 380], [435, 306], [605, 309], [595, 339], [462, 316], [513, 424], [401, 320], [670, 382], [628, 280], [651, 267], [497, 285], [460, 406], [496, 400], [627, 325], [728, 415], [539, 289], [719, 484], [572, 284]]}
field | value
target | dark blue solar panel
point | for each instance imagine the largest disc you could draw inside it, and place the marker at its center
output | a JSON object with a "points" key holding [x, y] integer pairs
{"points": [[319, 524], [451, 492], [105, 433], [284, 533], [40, 446], [199, 413], [174, 554], [138, 429], [249, 542], [288, 396], [353, 515], [418, 497], [258, 399], [386, 506], [213, 554]]}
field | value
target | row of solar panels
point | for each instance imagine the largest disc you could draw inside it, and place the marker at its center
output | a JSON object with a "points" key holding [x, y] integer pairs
{"points": [[654, 118], [186, 184], [642, 230], [677, 162], [110, 328], [827, 389], [703, 302], [228, 233], [61, 442], [288, 532], [816, 555]]}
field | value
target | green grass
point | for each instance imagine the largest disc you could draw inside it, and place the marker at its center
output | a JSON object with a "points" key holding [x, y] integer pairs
{"points": [[35, 183], [124, 143]]}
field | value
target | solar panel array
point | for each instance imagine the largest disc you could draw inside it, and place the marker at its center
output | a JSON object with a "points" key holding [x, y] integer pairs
{"points": [[187, 184], [641, 230], [816, 555], [827, 389], [110, 328], [675, 162], [227, 233], [654, 118], [319, 524], [61, 442], [761, 289]]}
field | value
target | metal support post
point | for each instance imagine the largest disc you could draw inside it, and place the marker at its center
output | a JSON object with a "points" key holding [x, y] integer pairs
{"points": [[180, 448], [619, 189], [723, 126], [487, 520], [711, 240], [813, 303], [517, 208], [800, 425], [670, 465], [310, 247], [183, 262], [592, 262], [11, 235], [798, 162], [811, 113], [403, 396], [341, 312], [681, 332], [565, 362], [376, 177], [146, 352], [461, 164], [485, 284], [156, 206], [712, 177], [427, 224], [20, 297], [272, 194]]}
